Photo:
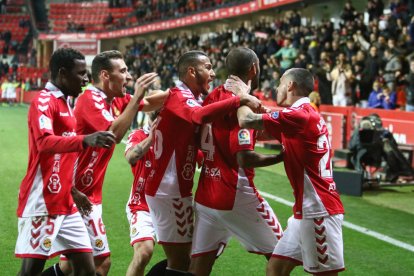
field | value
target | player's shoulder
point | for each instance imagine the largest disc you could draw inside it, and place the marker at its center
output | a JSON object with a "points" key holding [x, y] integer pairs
{"points": [[218, 94]]}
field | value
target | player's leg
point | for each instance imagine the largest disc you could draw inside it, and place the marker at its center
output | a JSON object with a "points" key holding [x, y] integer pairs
{"points": [[33, 244], [73, 240], [253, 222], [142, 255], [102, 265], [322, 245], [280, 267], [31, 266], [98, 239], [209, 237], [82, 263], [173, 223], [142, 235], [288, 252]]}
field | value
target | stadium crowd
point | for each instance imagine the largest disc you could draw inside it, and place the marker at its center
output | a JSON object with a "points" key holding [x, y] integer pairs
{"points": [[346, 58]]}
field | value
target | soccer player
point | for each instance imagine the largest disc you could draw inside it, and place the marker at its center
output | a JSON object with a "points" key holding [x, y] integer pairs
{"points": [[169, 184], [49, 223], [314, 233], [140, 154], [103, 106], [227, 202]]}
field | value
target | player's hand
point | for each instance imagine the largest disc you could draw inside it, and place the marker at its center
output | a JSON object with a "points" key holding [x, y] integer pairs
{"points": [[237, 86], [142, 84], [81, 201], [265, 109], [251, 101], [102, 139], [154, 125]]}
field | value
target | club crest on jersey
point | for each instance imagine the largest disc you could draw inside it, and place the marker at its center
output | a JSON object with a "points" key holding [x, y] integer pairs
{"points": [[99, 245], [134, 231], [107, 115], [54, 184], [275, 115], [192, 103], [46, 244], [45, 122], [87, 177], [188, 171], [244, 137]]}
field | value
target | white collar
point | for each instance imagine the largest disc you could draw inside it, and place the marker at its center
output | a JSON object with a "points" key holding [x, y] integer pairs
{"points": [[54, 90], [301, 101], [182, 86], [97, 90]]}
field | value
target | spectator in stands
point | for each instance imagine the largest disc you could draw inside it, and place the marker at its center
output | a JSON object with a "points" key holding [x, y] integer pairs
{"points": [[374, 100], [372, 65], [349, 13], [341, 77], [409, 92], [392, 68], [287, 55], [388, 98]]}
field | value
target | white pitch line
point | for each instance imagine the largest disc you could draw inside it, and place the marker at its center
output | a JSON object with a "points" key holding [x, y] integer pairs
{"points": [[352, 226]]}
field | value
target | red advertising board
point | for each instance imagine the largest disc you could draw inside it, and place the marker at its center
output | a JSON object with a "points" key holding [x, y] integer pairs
{"points": [[85, 46], [335, 122]]}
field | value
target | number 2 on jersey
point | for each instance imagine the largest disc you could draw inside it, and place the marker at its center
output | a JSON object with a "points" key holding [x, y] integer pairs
{"points": [[206, 142], [325, 164]]}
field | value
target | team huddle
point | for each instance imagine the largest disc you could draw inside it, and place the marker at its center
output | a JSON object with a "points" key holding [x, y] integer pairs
{"points": [[60, 199]]}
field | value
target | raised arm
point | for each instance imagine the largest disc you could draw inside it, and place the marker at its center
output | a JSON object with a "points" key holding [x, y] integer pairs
{"points": [[248, 119], [121, 125], [155, 101]]}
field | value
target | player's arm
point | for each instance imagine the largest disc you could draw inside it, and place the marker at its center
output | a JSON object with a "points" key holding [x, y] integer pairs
{"points": [[121, 125], [218, 109], [248, 119], [155, 101], [252, 159]]}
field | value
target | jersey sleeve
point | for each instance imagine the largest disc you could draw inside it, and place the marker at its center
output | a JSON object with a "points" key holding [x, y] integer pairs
{"points": [[288, 121], [134, 138], [41, 124], [241, 139], [91, 114]]}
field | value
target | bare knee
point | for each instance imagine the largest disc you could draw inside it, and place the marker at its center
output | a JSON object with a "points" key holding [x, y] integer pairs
{"points": [[102, 265]]}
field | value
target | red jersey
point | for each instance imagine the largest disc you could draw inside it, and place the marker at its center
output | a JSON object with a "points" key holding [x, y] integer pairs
{"points": [[221, 175], [175, 148], [46, 188], [93, 113], [140, 171], [307, 159]]}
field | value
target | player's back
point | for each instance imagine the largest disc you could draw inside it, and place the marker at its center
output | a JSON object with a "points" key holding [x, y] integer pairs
{"points": [[220, 141], [175, 146]]}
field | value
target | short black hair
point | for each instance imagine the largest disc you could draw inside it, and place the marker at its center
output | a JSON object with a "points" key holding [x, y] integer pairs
{"points": [[63, 57], [240, 60], [188, 59], [102, 61], [303, 79]]}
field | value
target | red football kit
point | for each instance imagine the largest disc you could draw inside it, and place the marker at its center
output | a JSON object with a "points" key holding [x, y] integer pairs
{"points": [[140, 171], [175, 149], [221, 141], [93, 113], [53, 147], [307, 159]]}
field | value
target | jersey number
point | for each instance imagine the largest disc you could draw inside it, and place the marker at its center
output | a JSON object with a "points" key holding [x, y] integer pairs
{"points": [[158, 144], [206, 143], [325, 164]]}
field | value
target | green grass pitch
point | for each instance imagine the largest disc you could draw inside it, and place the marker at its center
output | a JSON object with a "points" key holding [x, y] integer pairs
{"points": [[387, 211]]}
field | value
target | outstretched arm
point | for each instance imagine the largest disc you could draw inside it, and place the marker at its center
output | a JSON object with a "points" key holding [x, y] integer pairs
{"points": [[252, 159], [248, 119], [154, 102], [121, 125]]}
